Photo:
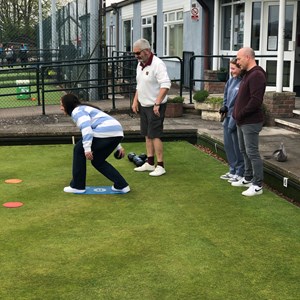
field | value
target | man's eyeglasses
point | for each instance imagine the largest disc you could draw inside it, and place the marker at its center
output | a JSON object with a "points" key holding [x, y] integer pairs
{"points": [[139, 52]]}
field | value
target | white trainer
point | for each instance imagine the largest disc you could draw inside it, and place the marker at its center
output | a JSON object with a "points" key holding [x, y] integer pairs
{"points": [[145, 167], [69, 189], [235, 178], [253, 190], [227, 176], [123, 190], [242, 182], [159, 170]]}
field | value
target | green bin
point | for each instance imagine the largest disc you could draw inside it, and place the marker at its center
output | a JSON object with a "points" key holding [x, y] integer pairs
{"points": [[23, 86]]}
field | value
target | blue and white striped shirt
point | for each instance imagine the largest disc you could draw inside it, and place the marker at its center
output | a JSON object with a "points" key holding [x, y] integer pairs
{"points": [[93, 122]]}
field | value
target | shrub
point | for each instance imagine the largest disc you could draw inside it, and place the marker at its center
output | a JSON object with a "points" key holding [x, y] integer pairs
{"points": [[223, 70], [214, 100], [200, 96], [177, 99]]}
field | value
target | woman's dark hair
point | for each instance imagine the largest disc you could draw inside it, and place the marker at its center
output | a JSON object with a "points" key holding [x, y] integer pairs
{"points": [[70, 101]]}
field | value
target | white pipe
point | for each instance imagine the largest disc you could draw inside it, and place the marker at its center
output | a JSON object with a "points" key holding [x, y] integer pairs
{"points": [[41, 29], [53, 29], [280, 53], [94, 36], [216, 34]]}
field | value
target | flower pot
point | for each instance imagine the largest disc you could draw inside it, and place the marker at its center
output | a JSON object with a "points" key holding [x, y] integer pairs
{"points": [[209, 111], [222, 76], [174, 110]]}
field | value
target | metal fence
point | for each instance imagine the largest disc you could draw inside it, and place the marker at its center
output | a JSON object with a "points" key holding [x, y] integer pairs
{"points": [[44, 82]]}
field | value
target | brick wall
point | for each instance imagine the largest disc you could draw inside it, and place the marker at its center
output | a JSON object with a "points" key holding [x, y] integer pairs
{"points": [[216, 87], [278, 105]]}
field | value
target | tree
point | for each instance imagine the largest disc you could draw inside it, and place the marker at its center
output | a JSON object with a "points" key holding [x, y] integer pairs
{"points": [[18, 20]]}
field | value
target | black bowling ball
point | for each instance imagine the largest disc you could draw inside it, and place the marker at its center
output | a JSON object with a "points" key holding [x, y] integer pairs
{"points": [[143, 157], [131, 155], [117, 154], [138, 161]]}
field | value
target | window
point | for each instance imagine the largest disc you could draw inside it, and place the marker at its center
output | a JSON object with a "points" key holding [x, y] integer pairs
{"points": [[226, 27], [271, 72], [147, 29], [238, 33], [273, 27], [232, 26], [173, 33], [127, 35], [255, 31]]}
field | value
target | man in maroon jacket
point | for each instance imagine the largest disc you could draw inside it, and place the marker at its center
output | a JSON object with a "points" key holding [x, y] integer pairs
{"points": [[249, 119]]}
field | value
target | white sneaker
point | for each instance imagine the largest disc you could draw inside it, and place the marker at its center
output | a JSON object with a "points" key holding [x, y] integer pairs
{"points": [[124, 190], [235, 178], [159, 170], [145, 167], [69, 189], [242, 182], [253, 190], [226, 176]]}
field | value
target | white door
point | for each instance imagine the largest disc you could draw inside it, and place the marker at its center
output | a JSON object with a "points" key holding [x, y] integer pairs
{"points": [[269, 45]]}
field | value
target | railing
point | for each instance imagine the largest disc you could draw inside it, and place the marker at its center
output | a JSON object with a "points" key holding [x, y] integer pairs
{"points": [[194, 79], [92, 79]]}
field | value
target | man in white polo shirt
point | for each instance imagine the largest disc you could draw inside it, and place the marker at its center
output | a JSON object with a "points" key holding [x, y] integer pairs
{"points": [[153, 84]]}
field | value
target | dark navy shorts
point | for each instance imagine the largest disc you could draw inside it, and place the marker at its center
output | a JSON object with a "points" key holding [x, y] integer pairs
{"points": [[152, 125]]}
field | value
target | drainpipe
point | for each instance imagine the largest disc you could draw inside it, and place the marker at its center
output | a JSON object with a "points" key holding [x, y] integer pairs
{"points": [[216, 46], [281, 29], [116, 12], [206, 33]]}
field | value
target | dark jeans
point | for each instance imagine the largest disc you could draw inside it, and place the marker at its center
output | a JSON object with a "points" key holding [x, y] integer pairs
{"points": [[102, 148], [231, 145], [248, 136]]}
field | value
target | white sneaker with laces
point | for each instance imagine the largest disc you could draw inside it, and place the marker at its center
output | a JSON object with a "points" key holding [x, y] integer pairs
{"points": [[253, 190], [235, 178], [159, 170], [145, 167], [226, 176], [242, 182], [123, 190], [69, 189]]}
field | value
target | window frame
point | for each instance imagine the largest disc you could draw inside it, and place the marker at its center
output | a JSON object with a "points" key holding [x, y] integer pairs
{"points": [[178, 20]]}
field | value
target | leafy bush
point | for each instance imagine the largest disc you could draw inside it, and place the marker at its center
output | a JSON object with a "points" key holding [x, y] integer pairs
{"points": [[214, 100], [177, 99], [223, 70], [200, 96]]}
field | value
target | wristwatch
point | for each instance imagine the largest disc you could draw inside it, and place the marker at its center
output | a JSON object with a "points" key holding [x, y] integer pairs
{"points": [[156, 104]]}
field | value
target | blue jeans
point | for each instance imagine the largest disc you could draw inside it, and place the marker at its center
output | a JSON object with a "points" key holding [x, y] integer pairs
{"points": [[248, 136], [231, 145], [102, 148]]}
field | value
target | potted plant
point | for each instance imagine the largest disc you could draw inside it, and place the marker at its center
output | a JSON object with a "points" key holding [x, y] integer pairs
{"points": [[174, 107], [199, 97], [222, 74], [210, 108]]}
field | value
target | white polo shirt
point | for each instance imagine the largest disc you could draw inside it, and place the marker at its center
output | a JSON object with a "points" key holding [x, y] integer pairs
{"points": [[150, 80]]}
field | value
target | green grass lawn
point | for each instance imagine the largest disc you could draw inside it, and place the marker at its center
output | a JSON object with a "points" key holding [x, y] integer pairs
{"points": [[184, 235], [7, 79]]}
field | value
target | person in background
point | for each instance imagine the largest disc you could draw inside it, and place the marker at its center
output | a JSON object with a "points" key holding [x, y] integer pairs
{"points": [[101, 135], [9, 55], [2, 54], [231, 144], [23, 54], [153, 84], [249, 117]]}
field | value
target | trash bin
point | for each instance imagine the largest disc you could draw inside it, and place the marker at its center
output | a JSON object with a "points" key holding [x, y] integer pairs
{"points": [[23, 86]]}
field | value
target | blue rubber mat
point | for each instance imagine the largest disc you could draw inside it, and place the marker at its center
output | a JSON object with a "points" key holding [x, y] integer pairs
{"points": [[99, 190]]}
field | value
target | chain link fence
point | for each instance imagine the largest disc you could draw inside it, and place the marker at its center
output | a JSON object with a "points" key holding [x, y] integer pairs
{"points": [[61, 50]]}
